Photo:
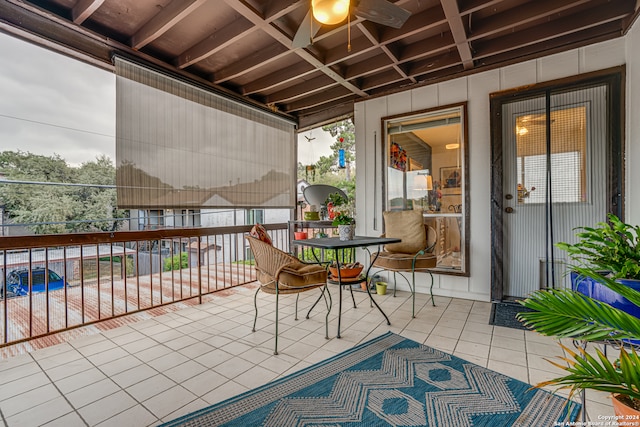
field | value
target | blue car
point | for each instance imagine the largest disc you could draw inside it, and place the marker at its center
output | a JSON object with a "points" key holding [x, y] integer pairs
{"points": [[18, 281]]}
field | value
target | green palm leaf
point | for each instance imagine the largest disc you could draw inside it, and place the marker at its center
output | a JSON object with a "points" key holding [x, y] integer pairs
{"points": [[569, 314], [598, 373]]}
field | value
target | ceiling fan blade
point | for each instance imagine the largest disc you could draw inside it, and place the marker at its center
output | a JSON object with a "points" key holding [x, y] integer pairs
{"points": [[382, 12], [306, 31]]}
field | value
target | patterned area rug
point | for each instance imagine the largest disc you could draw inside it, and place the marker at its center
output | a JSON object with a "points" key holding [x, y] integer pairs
{"points": [[392, 381]]}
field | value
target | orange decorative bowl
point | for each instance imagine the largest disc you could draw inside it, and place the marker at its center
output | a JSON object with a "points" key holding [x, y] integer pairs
{"points": [[346, 273]]}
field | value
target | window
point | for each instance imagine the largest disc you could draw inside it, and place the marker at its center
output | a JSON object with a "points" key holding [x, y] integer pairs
{"points": [[187, 218], [426, 170], [254, 216], [150, 219]]}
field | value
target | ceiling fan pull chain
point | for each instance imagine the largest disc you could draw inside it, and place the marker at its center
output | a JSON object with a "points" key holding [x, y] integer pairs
{"points": [[348, 32]]}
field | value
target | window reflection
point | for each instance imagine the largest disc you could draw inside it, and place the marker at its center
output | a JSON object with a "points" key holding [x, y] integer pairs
{"points": [[426, 170]]}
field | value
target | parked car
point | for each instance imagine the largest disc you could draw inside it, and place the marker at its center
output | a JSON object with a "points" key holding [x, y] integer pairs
{"points": [[18, 281]]}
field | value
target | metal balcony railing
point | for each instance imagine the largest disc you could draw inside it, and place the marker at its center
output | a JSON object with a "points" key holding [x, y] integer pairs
{"points": [[92, 277]]}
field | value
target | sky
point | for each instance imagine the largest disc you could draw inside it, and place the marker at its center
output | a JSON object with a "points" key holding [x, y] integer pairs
{"points": [[52, 104]]}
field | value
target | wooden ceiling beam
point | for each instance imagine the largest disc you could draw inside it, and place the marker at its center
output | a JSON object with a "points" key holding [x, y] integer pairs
{"points": [[535, 50], [276, 9], [251, 62], [282, 77], [84, 9], [430, 65], [382, 79], [276, 34], [317, 99], [471, 6], [368, 31], [459, 32], [520, 15], [340, 53], [429, 47], [368, 66], [333, 112], [222, 38], [302, 89], [416, 24], [164, 20], [594, 17]]}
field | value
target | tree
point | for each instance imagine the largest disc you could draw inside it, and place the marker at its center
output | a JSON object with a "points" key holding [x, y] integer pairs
{"points": [[51, 207], [326, 169]]}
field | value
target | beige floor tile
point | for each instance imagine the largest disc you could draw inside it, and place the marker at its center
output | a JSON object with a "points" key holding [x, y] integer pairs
{"points": [[169, 401], [149, 387], [134, 375], [107, 408], [204, 383], [441, 343], [474, 349], [29, 399], [158, 369], [510, 356], [508, 343], [255, 377], [71, 419], [476, 337], [135, 416], [168, 361], [223, 392], [184, 371], [80, 380], [39, 414], [23, 385], [509, 369], [91, 393]]}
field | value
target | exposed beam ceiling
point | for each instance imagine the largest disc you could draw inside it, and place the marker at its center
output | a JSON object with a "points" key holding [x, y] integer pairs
{"points": [[244, 47]]}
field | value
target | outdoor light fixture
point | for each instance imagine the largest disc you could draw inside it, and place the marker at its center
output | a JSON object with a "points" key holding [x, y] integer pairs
{"points": [[330, 12]]}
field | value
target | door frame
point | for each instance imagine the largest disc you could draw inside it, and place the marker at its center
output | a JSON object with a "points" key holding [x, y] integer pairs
{"points": [[614, 78]]}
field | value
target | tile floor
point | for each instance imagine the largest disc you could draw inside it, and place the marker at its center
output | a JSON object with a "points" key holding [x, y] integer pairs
{"points": [[155, 370]]}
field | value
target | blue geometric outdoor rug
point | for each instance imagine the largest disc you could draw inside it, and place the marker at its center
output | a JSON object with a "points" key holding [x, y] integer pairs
{"points": [[389, 381]]}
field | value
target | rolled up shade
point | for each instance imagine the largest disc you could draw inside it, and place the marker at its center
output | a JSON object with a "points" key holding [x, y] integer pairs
{"points": [[181, 146]]}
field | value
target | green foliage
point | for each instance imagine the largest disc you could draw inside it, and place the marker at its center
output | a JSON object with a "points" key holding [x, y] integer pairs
{"points": [[613, 247], [326, 168], [342, 208], [53, 209], [566, 313], [176, 262], [315, 255], [585, 371]]}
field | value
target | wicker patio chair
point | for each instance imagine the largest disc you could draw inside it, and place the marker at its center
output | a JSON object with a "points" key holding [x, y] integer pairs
{"points": [[281, 273], [414, 253]]}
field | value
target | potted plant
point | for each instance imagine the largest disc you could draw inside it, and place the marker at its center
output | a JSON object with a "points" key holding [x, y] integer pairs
{"points": [[613, 250], [604, 255], [340, 212]]}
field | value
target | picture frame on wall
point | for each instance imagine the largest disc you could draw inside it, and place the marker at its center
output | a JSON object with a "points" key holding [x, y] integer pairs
{"points": [[451, 179]]}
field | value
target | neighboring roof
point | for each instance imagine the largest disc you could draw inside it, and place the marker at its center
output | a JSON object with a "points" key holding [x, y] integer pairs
{"points": [[21, 258], [244, 47]]}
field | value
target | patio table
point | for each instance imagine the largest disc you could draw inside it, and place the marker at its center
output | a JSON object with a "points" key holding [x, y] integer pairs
{"points": [[335, 244]]}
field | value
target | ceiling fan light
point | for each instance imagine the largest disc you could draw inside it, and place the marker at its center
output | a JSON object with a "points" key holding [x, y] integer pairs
{"points": [[330, 12]]}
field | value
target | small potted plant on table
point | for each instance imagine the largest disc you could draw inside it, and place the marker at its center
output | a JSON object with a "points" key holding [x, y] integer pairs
{"points": [[341, 214]]}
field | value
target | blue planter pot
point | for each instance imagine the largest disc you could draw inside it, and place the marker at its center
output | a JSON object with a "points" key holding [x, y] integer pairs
{"points": [[600, 292]]}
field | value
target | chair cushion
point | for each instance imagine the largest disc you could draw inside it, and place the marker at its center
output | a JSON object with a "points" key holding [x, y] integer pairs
{"points": [[402, 262], [408, 226], [259, 232], [295, 278]]}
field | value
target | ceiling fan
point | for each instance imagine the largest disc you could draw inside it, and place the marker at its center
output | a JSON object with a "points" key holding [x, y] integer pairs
{"points": [[331, 12]]}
